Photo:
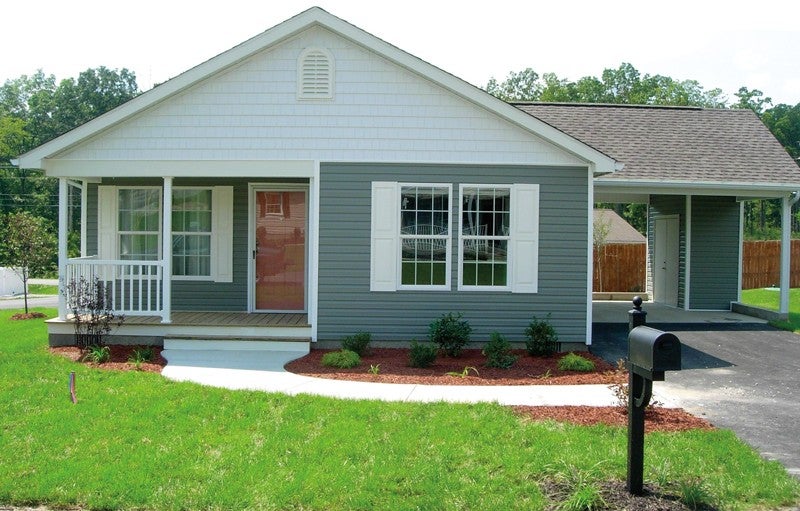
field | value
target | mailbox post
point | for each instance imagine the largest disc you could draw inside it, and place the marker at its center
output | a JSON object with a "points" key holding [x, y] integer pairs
{"points": [[651, 353]]}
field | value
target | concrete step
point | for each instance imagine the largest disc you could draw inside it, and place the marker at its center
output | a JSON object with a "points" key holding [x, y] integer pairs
{"points": [[270, 360], [238, 343]]}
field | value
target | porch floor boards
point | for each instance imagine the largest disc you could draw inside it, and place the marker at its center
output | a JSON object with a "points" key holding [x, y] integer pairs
{"points": [[200, 318]]}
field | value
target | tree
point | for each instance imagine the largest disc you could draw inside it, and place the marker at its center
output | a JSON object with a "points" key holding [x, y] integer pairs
{"points": [[752, 99], [29, 246], [784, 122], [522, 86]]}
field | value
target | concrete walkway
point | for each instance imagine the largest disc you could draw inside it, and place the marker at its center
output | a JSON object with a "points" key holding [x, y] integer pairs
{"points": [[264, 371]]}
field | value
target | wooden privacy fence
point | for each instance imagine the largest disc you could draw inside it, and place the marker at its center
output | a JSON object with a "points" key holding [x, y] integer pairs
{"points": [[622, 267], [761, 264]]}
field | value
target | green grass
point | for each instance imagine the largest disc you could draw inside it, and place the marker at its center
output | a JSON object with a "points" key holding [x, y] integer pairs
{"points": [[42, 289], [138, 441], [770, 299]]}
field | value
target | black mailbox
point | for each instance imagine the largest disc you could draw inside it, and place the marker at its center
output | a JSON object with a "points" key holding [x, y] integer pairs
{"points": [[651, 352]]}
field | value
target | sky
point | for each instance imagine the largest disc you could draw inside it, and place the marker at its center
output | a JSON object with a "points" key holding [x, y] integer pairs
{"points": [[716, 43]]}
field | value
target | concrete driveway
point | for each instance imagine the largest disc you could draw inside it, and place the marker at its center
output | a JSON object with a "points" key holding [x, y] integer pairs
{"points": [[744, 377]]}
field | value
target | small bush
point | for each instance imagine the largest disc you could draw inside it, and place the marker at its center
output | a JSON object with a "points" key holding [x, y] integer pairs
{"points": [[422, 355], [542, 339], [342, 359], [498, 352], [574, 362], [358, 343], [97, 354], [451, 333]]}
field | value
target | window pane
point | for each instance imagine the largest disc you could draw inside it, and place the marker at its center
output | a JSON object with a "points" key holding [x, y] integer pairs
{"points": [[485, 219]]}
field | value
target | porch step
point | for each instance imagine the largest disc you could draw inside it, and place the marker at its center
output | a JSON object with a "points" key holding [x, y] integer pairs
{"points": [[250, 353], [237, 343]]}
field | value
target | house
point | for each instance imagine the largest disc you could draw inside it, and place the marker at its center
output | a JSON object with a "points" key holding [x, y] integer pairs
{"points": [[315, 181]]}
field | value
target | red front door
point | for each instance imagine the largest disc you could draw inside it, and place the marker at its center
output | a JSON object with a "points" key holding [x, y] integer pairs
{"points": [[280, 265]]}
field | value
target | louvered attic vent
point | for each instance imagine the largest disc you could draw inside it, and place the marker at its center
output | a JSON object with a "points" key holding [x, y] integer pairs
{"points": [[315, 75]]}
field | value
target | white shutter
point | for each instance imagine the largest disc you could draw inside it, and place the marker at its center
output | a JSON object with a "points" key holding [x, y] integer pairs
{"points": [[385, 237], [222, 234], [525, 238], [107, 214]]}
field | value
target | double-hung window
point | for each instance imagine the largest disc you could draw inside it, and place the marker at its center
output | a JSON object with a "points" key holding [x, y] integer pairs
{"points": [[191, 232], [139, 223], [484, 237], [424, 235]]}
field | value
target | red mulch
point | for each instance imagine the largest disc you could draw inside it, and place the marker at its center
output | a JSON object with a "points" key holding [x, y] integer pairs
{"points": [[394, 369], [119, 358], [30, 315]]}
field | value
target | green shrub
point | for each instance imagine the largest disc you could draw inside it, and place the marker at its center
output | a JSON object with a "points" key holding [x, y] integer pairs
{"points": [[140, 356], [97, 354], [451, 333], [542, 339], [498, 352], [343, 359], [573, 362], [422, 355], [358, 343]]}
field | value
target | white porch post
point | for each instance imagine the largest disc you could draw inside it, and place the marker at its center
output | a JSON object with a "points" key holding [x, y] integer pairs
{"points": [[786, 250], [166, 244], [63, 227]]}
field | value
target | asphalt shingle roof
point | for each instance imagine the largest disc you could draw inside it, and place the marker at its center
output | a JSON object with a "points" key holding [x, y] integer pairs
{"points": [[679, 144]]}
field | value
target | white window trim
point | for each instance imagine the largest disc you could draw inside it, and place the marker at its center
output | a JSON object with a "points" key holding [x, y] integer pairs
{"points": [[461, 237], [210, 234], [447, 286]]}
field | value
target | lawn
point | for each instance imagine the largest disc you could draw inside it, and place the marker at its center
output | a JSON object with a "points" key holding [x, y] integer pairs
{"points": [[42, 289], [770, 299], [138, 441]]}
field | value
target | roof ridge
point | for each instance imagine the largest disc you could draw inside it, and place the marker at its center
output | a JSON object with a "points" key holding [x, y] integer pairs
{"points": [[613, 105]]}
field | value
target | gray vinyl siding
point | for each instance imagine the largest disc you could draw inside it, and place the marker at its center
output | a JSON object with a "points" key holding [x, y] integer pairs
{"points": [[199, 295], [714, 278], [661, 206], [346, 304]]}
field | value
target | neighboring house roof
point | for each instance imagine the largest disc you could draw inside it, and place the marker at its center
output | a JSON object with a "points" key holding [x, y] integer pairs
{"points": [[37, 158], [619, 231], [676, 144]]}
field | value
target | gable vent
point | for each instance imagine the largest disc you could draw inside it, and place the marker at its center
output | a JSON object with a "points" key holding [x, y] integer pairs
{"points": [[315, 75]]}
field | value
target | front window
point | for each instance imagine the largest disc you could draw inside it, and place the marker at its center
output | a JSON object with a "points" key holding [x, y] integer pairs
{"points": [[424, 235], [139, 223], [485, 235], [191, 232]]}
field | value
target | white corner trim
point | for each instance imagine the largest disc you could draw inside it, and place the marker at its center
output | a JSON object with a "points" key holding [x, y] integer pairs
{"points": [[687, 278]]}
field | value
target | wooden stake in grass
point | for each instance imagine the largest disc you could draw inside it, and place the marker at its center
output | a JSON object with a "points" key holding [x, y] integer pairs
{"points": [[72, 387]]}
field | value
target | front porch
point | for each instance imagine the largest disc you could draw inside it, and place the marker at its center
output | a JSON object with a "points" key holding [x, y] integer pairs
{"points": [[220, 327]]}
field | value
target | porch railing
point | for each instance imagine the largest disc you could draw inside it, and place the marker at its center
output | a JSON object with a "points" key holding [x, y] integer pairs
{"points": [[130, 287]]}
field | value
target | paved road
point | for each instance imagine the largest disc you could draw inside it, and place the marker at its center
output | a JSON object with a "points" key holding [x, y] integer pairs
{"points": [[19, 303], [745, 377]]}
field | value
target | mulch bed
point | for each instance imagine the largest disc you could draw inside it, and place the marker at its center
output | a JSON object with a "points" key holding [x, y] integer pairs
{"points": [[29, 315], [120, 354], [655, 418], [394, 368]]}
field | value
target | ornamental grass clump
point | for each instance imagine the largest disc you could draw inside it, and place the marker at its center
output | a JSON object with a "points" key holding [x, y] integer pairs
{"points": [[575, 362], [542, 339], [451, 333], [498, 352], [344, 359]]}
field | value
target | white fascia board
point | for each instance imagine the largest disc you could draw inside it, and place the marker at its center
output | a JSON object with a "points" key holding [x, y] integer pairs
{"points": [[638, 187], [180, 168]]}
